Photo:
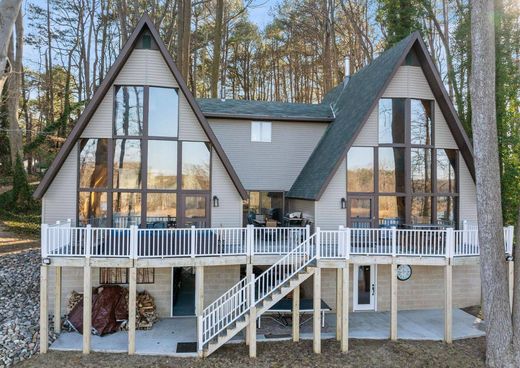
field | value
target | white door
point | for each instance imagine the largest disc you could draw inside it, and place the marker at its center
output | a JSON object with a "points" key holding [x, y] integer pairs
{"points": [[364, 287]]}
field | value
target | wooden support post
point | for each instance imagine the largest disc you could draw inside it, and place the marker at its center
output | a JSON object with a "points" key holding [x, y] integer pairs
{"points": [[44, 313], [87, 306], [132, 299], [393, 301], [57, 300], [448, 306], [339, 279], [296, 314], [316, 301], [249, 273], [345, 307], [199, 290], [252, 333]]}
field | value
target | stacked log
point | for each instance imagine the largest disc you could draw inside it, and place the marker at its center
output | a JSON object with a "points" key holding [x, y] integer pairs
{"points": [[146, 311]]}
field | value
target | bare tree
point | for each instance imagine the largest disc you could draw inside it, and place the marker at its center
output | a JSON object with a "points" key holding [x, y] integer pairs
{"points": [[497, 314], [217, 45], [9, 10]]}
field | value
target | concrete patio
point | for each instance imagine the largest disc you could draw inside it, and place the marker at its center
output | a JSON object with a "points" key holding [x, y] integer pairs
{"points": [[167, 333]]}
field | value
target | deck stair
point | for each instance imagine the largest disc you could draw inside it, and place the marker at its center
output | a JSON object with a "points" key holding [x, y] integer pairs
{"points": [[230, 314]]}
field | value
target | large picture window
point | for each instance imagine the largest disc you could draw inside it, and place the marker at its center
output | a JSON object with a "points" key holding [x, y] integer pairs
{"points": [[410, 182], [144, 173]]}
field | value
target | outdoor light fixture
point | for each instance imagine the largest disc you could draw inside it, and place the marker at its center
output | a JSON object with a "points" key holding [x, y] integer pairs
{"points": [[343, 203], [215, 201], [46, 261]]}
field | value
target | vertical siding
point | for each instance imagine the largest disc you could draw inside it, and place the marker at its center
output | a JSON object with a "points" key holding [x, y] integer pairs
{"points": [[60, 198], [268, 166], [468, 193], [329, 214], [229, 212]]}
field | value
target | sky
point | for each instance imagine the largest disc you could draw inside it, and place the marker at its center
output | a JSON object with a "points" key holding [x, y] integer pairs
{"points": [[259, 13]]}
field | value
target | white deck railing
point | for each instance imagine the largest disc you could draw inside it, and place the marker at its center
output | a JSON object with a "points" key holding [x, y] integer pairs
{"points": [[238, 300], [61, 239]]}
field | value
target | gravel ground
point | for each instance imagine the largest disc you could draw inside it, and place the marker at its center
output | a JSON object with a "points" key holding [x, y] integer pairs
{"points": [[363, 353], [19, 307]]}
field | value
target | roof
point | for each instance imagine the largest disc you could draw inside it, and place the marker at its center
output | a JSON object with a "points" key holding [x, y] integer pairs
{"points": [[144, 23], [264, 110], [353, 102]]}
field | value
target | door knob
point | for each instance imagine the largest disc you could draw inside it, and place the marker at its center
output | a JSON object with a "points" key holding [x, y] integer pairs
{"points": [[373, 289]]}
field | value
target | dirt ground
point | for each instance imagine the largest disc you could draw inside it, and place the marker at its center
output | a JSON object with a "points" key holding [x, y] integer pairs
{"points": [[363, 353], [10, 242]]}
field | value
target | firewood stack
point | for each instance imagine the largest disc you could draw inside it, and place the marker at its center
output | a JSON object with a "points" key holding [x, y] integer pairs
{"points": [[146, 311]]}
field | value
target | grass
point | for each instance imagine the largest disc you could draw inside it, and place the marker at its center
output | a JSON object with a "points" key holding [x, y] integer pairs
{"points": [[20, 221]]}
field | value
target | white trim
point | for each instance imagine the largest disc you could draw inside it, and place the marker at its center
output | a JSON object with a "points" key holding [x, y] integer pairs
{"points": [[373, 298]]}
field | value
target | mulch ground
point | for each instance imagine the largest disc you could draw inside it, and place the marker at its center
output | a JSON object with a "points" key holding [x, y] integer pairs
{"points": [[363, 353]]}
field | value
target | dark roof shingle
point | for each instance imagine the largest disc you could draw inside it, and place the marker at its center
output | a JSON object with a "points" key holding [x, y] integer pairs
{"points": [[247, 109], [352, 103]]}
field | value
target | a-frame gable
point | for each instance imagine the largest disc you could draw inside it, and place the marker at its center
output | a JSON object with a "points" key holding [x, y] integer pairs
{"points": [[191, 113], [356, 101]]}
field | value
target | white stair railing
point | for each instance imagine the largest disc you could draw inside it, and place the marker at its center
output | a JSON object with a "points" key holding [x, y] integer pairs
{"points": [[238, 300]]}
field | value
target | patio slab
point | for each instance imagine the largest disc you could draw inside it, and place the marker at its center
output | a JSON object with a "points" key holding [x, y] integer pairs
{"points": [[163, 338]]}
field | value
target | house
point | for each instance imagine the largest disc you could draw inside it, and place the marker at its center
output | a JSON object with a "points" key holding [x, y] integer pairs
{"points": [[221, 208]]}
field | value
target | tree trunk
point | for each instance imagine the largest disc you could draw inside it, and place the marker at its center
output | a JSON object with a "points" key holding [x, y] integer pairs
{"points": [[183, 39], [493, 266], [217, 46], [9, 10], [516, 293], [13, 91]]}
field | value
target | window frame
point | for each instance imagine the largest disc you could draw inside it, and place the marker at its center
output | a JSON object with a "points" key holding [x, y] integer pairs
{"points": [[144, 138], [262, 138], [408, 194]]}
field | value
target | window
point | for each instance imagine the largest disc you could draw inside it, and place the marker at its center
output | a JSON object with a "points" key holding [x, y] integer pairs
{"points": [[195, 165], [421, 170], [93, 209], [263, 205], [391, 121], [392, 170], [144, 175], [392, 211], [421, 212], [126, 209], [127, 164], [260, 131], [129, 107], [163, 112], [162, 164], [360, 169], [93, 160], [446, 170], [421, 122], [109, 276]]}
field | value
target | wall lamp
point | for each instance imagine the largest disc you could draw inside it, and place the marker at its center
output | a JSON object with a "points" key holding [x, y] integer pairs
{"points": [[215, 201], [343, 203]]}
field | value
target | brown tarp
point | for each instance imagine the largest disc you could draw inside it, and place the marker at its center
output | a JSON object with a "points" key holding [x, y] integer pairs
{"points": [[109, 310]]}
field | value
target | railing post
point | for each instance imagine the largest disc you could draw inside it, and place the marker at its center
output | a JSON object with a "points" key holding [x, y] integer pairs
{"points": [[193, 242], [45, 240], [394, 241], [88, 241], [307, 231], [510, 238], [341, 241], [450, 243], [318, 243], [465, 225], [133, 242], [348, 242], [250, 240], [200, 336], [252, 291]]}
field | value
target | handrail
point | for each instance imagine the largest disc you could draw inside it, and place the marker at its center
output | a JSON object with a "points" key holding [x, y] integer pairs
{"points": [[246, 294]]}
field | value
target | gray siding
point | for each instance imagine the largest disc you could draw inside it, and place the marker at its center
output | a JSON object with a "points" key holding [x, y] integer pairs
{"points": [[268, 166], [468, 194], [329, 214], [60, 200], [229, 212]]}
